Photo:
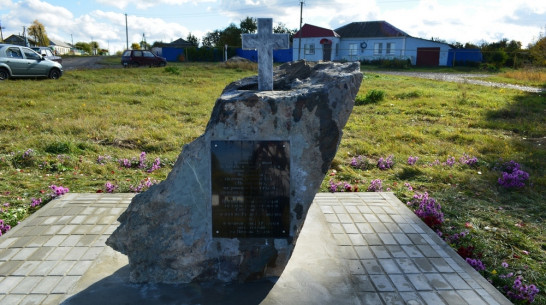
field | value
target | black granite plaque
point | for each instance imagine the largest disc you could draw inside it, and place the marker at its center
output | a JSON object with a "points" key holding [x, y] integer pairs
{"points": [[250, 188]]}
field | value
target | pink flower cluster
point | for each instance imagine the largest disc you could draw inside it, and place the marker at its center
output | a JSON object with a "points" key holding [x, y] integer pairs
{"points": [[58, 190]]}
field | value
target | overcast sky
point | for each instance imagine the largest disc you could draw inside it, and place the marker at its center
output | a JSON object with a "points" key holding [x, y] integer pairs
{"points": [[166, 20]]}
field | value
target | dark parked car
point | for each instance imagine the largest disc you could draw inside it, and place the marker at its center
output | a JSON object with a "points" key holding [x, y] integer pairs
{"points": [[135, 58], [48, 54], [17, 61]]}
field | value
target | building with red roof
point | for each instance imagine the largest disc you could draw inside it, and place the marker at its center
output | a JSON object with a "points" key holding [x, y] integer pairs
{"points": [[371, 40]]}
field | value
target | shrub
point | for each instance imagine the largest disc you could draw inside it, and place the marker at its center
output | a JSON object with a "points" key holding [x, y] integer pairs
{"points": [[373, 96], [173, 70]]}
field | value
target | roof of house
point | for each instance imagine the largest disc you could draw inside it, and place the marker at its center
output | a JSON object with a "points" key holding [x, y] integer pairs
{"points": [[53, 42], [18, 40], [308, 31], [177, 43], [370, 29]]}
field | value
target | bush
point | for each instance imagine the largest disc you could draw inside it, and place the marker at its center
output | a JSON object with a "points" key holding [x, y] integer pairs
{"points": [[393, 63], [373, 96], [172, 70]]}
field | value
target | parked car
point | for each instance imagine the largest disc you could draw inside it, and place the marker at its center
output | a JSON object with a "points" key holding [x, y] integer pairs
{"points": [[48, 54], [17, 61], [135, 58]]}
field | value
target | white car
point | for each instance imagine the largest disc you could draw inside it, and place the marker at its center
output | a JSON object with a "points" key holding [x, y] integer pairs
{"points": [[17, 61]]}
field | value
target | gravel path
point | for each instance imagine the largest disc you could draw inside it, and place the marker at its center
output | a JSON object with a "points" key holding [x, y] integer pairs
{"points": [[82, 62], [463, 78]]}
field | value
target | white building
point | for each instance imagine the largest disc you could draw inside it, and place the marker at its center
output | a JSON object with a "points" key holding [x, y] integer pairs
{"points": [[60, 48], [367, 41]]}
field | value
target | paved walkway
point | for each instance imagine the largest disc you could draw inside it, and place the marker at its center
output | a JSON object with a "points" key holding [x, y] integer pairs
{"points": [[355, 248]]}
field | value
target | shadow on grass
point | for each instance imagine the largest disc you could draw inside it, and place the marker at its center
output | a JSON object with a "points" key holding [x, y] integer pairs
{"points": [[116, 290], [525, 116]]}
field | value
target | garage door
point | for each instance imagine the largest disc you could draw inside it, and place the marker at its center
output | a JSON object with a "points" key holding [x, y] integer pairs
{"points": [[428, 57]]}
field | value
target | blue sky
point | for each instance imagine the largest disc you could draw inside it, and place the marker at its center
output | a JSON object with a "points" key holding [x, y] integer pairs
{"points": [[166, 20]]}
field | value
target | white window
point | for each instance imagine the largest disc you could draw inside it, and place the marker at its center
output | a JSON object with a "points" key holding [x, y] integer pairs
{"points": [[378, 48], [390, 48], [353, 49], [309, 48]]}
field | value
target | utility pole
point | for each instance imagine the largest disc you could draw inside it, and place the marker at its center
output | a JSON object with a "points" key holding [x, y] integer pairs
{"points": [[1, 34], [301, 21], [25, 36], [126, 33]]}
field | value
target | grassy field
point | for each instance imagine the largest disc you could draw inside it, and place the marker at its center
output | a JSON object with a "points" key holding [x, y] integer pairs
{"points": [[87, 131]]}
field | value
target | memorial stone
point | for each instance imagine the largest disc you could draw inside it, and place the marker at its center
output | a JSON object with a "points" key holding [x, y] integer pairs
{"points": [[237, 197]]}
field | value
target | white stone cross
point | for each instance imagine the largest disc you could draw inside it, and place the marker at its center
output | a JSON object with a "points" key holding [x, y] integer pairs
{"points": [[265, 41]]}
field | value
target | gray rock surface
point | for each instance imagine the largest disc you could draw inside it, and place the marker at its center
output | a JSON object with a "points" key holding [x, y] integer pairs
{"points": [[166, 232]]}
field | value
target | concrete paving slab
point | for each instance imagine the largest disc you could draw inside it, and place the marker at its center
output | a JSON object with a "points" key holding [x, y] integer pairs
{"points": [[355, 248]]}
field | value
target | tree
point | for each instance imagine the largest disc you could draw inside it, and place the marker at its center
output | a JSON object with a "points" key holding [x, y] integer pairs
{"points": [[538, 50], [248, 25], [281, 28], [230, 36], [37, 30], [135, 46], [84, 46], [191, 38], [211, 39], [501, 53]]}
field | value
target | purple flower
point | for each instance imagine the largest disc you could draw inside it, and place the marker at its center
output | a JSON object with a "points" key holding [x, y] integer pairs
{"points": [[110, 188], [359, 162], [476, 264], [142, 160], [28, 153], [410, 188], [125, 163], [515, 179], [375, 186], [103, 159], [504, 264], [155, 166], [333, 187], [450, 161], [144, 184], [468, 160], [412, 160], [520, 291], [35, 202], [428, 210], [384, 164], [4, 227], [58, 190]]}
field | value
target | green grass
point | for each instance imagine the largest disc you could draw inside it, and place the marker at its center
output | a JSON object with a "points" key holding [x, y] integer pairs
{"points": [[70, 122]]}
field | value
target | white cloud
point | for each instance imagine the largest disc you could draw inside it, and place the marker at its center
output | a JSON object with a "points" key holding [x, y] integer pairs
{"points": [[144, 4]]}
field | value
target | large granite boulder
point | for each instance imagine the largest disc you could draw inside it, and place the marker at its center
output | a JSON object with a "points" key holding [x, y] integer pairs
{"points": [[166, 232]]}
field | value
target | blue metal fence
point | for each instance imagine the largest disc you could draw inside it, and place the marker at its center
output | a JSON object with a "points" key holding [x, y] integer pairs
{"points": [[464, 57], [278, 55]]}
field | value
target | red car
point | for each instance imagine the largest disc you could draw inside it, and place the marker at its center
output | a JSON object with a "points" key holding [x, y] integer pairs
{"points": [[135, 58]]}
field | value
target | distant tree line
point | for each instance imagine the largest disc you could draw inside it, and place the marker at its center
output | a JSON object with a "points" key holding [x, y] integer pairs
{"points": [[231, 35], [505, 53]]}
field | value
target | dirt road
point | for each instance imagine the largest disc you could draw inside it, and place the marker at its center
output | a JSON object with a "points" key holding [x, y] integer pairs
{"points": [[82, 62], [463, 78]]}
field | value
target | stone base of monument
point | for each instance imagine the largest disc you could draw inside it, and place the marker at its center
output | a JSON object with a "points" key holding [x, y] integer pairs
{"points": [[316, 274], [233, 205]]}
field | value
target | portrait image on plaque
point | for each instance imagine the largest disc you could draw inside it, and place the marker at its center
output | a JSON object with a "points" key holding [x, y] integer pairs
{"points": [[250, 188]]}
